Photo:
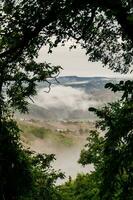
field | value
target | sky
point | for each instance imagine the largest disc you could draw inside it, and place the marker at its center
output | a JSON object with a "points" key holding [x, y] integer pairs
{"points": [[75, 62]]}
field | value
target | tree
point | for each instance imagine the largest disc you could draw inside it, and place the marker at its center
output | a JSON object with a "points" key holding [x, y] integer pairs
{"points": [[44, 179], [104, 29], [15, 171], [24, 175], [19, 74], [84, 187], [112, 154]]}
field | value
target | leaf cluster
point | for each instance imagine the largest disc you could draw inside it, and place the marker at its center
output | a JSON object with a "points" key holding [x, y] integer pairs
{"points": [[112, 154], [24, 174]]}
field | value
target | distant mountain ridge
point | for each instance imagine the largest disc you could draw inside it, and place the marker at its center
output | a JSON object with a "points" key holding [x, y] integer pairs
{"points": [[70, 97], [79, 82], [86, 83]]}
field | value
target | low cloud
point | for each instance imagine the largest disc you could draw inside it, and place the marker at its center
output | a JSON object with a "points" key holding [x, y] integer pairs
{"points": [[65, 97]]}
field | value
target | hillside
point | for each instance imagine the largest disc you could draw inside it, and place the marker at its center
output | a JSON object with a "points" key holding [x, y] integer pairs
{"points": [[70, 98], [59, 122], [64, 139]]}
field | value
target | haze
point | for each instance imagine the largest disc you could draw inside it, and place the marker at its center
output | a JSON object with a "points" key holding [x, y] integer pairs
{"points": [[75, 62], [65, 97]]}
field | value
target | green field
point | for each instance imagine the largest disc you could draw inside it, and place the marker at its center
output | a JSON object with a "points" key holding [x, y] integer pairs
{"points": [[35, 131]]}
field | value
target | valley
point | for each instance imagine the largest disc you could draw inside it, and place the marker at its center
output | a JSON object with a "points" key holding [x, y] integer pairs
{"points": [[65, 139], [59, 122]]}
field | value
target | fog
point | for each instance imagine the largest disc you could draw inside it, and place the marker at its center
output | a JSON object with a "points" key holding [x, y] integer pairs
{"points": [[67, 103], [66, 157], [65, 97]]}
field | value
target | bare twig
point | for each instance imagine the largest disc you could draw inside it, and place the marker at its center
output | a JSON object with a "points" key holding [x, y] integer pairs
{"points": [[31, 99], [49, 86]]}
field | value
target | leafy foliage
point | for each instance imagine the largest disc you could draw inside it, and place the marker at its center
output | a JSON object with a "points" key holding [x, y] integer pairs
{"points": [[110, 150], [23, 174], [104, 29], [112, 154], [84, 187], [19, 74], [44, 178], [19, 45], [14, 163]]}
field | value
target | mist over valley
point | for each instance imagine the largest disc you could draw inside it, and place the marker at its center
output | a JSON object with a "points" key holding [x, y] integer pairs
{"points": [[70, 98], [59, 121]]}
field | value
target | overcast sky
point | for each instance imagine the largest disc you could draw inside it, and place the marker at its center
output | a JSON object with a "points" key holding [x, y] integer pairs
{"points": [[75, 62]]}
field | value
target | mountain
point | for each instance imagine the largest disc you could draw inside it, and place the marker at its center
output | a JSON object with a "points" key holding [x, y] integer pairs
{"points": [[59, 122], [75, 81], [70, 97]]}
